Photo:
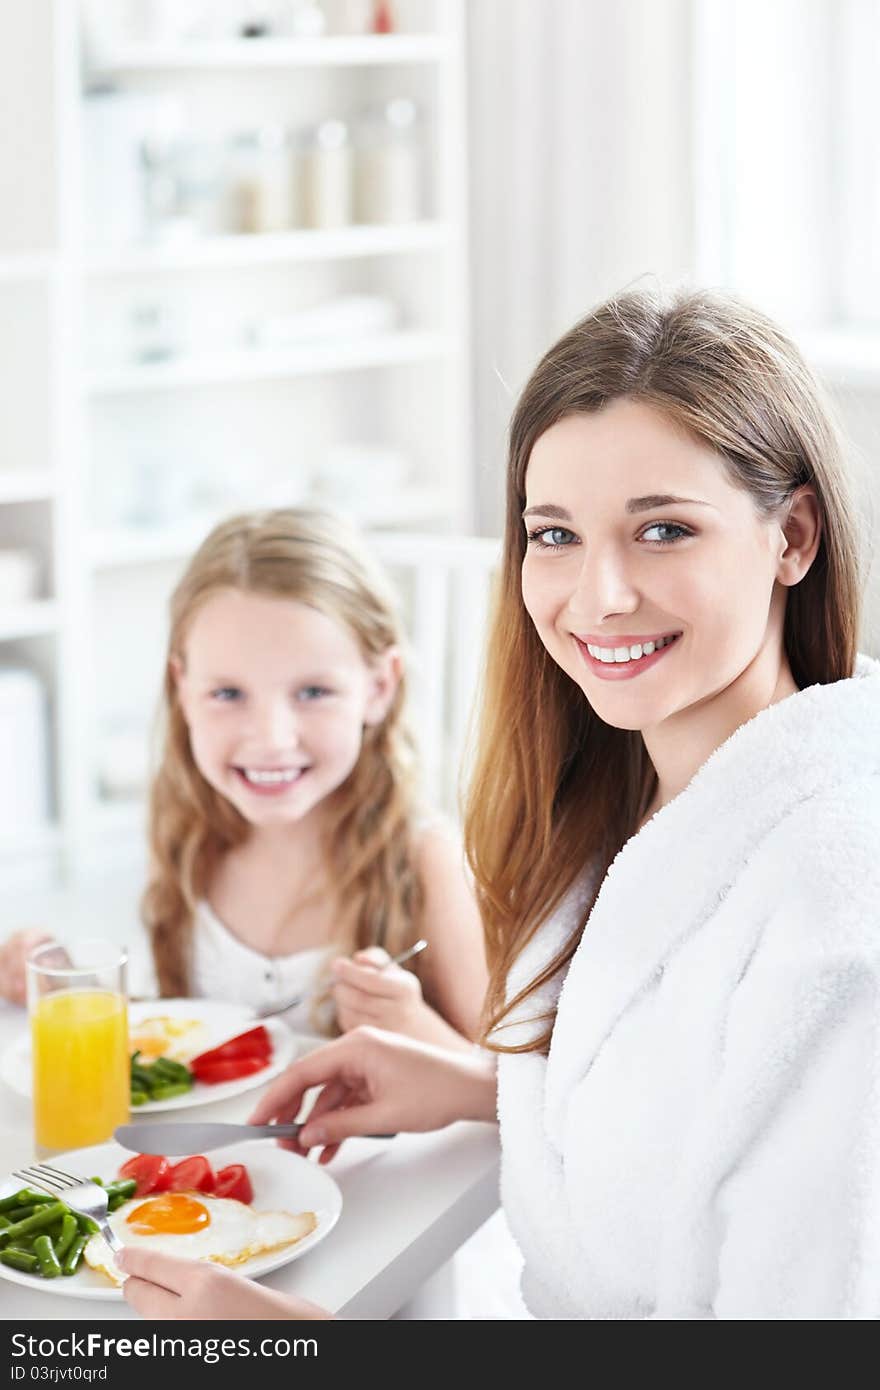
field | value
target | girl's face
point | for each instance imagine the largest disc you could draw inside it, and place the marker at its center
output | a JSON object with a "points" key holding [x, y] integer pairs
{"points": [[276, 696], [650, 578]]}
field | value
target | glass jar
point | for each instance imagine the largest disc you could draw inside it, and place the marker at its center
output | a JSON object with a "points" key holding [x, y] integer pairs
{"points": [[389, 163], [260, 183], [327, 176]]}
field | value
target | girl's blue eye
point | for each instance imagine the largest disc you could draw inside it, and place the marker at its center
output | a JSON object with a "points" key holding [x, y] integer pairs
{"points": [[226, 693], [312, 692], [673, 532], [551, 537]]}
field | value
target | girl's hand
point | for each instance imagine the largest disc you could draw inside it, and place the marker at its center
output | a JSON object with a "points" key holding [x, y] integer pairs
{"points": [[370, 991], [13, 954], [165, 1286], [378, 1083]]}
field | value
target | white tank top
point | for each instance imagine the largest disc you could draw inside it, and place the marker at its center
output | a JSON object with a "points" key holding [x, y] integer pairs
{"points": [[223, 967]]}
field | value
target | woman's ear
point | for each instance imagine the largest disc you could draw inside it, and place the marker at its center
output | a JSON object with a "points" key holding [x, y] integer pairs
{"points": [[801, 533], [385, 674]]}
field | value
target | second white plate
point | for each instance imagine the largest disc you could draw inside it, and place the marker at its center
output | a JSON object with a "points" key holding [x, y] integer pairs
{"points": [[216, 1021]]}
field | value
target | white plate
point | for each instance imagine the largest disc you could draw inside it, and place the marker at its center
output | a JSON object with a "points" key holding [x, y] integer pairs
{"points": [[219, 1021], [281, 1181]]}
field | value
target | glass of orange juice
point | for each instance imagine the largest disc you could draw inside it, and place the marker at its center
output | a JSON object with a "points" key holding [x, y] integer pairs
{"points": [[77, 1001]]}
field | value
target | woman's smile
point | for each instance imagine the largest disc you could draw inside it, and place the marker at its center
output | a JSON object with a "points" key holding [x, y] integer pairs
{"points": [[620, 658]]}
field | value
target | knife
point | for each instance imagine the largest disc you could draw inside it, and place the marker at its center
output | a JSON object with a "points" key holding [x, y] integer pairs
{"points": [[198, 1138]]}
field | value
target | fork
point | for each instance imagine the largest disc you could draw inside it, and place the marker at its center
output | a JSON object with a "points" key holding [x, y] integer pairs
{"points": [[271, 1010], [84, 1197]]}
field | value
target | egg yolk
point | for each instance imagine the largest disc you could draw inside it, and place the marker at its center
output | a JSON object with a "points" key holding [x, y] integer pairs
{"points": [[148, 1046], [173, 1213]]}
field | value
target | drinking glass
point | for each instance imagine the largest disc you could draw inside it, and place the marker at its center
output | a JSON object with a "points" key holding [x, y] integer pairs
{"points": [[77, 1001]]}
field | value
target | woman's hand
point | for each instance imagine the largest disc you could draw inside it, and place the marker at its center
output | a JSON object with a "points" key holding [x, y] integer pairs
{"points": [[369, 990], [379, 1083], [13, 954], [165, 1286]]}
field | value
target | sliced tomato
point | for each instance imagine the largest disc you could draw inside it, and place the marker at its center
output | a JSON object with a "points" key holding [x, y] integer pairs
{"points": [[192, 1175], [226, 1069], [234, 1181], [150, 1172], [254, 1043]]}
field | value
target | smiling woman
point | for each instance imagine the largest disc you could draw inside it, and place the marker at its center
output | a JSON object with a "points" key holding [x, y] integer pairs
{"points": [[671, 823]]}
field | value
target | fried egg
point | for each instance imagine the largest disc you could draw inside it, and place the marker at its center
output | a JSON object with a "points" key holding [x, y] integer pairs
{"points": [[198, 1227], [163, 1036]]}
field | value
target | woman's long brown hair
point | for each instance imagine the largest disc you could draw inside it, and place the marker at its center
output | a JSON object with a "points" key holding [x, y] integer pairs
{"points": [[313, 558], [554, 788]]}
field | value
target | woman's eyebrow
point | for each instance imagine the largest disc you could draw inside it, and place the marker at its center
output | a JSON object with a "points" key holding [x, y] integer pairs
{"points": [[548, 509], [661, 499], [634, 504]]}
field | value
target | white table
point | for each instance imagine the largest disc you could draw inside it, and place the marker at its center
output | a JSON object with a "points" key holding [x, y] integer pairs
{"points": [[408, 1204]]}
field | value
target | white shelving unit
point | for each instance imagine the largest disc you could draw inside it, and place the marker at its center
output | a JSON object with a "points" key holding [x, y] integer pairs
{"points": [[387, 350], [369, 50], [95, 633]]}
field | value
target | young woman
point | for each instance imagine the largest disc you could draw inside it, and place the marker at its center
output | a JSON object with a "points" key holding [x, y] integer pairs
{"points": [[674, 827]]}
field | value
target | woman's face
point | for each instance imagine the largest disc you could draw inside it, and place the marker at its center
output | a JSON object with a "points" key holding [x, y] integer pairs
{"points": [[650, 578]]}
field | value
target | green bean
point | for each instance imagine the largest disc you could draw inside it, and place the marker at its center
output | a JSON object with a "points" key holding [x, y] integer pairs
{"points": [[23, 1243], [26, 1196], [174, 1071], [69, 1229], [22, 1213], [139, 1097], [4, 1221], [141, 1076], [19, 1259], [17, 1199], [74, 1254], [166, 1092], [124, 1187], [86, 1223], [40, 1220], [46, 1257]]}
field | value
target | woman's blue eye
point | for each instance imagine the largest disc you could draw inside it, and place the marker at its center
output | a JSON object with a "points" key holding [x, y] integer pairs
{"points": [[674, 532], [312, 692], [551, 537], [225, 693]]}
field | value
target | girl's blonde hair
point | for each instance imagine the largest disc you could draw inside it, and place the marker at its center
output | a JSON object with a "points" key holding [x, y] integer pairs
{"points": [[554, 788], [313, 558]]}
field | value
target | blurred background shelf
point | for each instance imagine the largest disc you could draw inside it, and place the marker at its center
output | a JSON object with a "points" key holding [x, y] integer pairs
{"points": [[369, 50], [228, 252], [129, 547], [387, 350], [26, 485], [31, 619]]}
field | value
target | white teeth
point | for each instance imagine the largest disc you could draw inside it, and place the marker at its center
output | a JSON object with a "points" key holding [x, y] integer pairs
{"points": [[633, 653], [262, 778]]}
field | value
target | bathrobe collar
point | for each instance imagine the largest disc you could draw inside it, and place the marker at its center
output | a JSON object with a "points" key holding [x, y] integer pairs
{"points": [[786, 754]]}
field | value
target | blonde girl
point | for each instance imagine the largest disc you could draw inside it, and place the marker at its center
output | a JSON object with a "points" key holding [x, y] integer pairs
{"points": [[289, 851]]}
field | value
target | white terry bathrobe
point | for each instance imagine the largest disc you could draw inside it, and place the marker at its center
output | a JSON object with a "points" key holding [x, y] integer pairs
{"points": [[703, 1140]]}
